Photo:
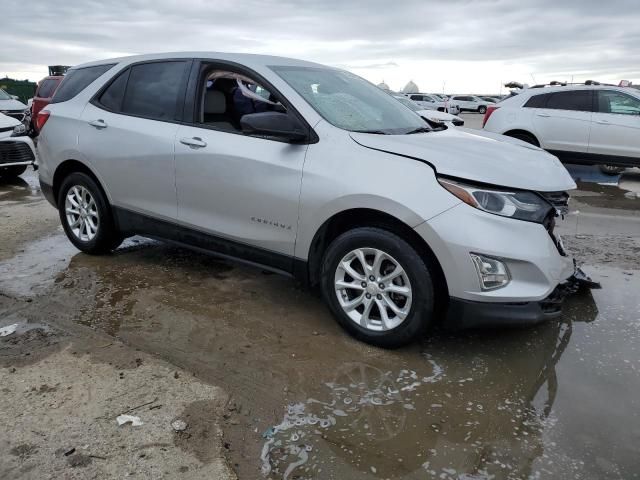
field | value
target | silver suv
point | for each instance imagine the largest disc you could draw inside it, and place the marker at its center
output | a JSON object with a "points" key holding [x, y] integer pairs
{"points": [[313, 172]]}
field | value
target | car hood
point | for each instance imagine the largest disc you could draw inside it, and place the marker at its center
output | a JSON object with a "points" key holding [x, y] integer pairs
{"points": [[477, 156], [11, 105], [6, 121]]}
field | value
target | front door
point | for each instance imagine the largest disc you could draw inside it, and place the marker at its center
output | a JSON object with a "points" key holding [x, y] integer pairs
{"points": [[240, 188], [616, 125]]}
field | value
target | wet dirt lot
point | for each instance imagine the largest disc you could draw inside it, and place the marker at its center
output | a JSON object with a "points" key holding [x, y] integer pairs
{"points": [[294, 396]]}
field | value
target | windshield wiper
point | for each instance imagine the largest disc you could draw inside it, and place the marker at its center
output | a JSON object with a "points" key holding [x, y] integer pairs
{"points": [[377, 132], [419, 130]]}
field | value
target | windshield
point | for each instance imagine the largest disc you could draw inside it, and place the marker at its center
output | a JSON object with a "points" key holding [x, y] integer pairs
{"points": [[4, 95], [350, 102]]}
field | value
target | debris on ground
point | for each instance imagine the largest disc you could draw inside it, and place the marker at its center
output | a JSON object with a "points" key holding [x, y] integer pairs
{"points": [[135, 421], [179, 425], [8, 330]]}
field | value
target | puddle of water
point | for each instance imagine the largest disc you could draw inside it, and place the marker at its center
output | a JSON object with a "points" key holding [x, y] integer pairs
{"points": [[364, 401], [21, 189], [32, 271]]}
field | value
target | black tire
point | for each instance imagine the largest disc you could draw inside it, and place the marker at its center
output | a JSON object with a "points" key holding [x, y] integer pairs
{"points": [[106, 238], [421, 311], [611, 169], [482, 109], [15, 171], [525, 137]]}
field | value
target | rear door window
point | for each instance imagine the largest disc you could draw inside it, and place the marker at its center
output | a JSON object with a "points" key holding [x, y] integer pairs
{"points": [[77, 80], [577, 100], [153, 90]]}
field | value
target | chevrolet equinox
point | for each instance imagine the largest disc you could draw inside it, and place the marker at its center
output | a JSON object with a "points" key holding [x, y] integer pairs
{"points": [[313, 172]]}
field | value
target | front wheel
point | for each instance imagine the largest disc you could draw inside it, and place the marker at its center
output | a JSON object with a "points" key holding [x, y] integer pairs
{"points": [[11, 172], [482, 109], [377, 287], [86, 216]]}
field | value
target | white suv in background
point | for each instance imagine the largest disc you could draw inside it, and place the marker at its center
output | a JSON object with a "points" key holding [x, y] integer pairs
{"points": [[469, 103], [591, 124], [431, 102]]}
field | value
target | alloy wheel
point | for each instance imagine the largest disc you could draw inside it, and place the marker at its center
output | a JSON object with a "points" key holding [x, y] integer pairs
{"points": [[373, 289], [82, 213]]}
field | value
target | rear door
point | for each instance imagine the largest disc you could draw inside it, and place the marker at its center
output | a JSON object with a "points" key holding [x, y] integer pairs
{"points": [[616, 125], [127, 134], [564, 122]]}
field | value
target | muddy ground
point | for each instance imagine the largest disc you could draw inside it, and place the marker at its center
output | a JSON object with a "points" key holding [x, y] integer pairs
{"points": [[166, 334]]}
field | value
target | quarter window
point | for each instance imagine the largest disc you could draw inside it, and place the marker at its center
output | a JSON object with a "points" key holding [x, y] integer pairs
{"points": [[153, 90], [617, 102], [77, 80], [113, 96], [537, 101], [576, 100]]}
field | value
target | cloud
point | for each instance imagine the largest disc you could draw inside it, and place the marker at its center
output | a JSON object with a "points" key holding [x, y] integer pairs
{"points": [[468, 43]]}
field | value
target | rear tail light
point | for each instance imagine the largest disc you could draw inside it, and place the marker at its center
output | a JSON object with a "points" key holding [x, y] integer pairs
{"points": [[487, 114], [42, 118]]}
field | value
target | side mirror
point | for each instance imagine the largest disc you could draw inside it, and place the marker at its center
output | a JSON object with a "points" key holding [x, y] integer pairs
{"points": [[274, 124], [15, 97]]}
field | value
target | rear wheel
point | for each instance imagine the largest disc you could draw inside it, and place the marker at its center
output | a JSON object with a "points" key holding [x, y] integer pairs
{"points": [[611, 169], [482, 109], [86, 216], [15, 171], [525, 137], [377, 287]]}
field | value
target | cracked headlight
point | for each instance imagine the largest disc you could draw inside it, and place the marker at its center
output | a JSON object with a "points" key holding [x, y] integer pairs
{"points": [[521, 205]]}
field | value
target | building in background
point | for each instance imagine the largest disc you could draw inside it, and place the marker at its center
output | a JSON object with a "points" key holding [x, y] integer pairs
{"points": [[410, 88]]}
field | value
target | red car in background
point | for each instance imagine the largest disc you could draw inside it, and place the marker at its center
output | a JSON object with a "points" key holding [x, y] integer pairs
{"points": [[46, 88]]}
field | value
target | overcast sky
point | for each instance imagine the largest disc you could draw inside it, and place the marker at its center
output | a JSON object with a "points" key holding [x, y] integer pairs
{"points": [[458, 45]]}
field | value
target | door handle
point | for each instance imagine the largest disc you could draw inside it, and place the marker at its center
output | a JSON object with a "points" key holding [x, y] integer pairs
{"points": [[602, 122], [194, 142], [99, 124], [545, 115]]}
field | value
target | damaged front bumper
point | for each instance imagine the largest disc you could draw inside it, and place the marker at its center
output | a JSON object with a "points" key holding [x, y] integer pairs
{"points": [[463, 314]]}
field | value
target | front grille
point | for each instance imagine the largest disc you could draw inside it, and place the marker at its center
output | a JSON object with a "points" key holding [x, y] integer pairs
{"points": [[7, 129], [17, 114], [15, 152]]}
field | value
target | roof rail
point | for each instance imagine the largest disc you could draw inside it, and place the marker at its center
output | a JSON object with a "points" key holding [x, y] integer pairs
{"points": [[556, 83]]}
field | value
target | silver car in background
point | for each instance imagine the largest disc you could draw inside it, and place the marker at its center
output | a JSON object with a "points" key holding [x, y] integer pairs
{"points": [[313, 172]]}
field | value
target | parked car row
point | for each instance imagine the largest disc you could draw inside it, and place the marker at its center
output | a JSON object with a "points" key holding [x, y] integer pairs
{"points": [[432, 116], [589, 124], [433, 102], [313, 172]]}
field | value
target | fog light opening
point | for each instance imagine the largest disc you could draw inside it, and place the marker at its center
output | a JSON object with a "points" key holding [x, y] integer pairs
{"points": [[491, 272]]}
